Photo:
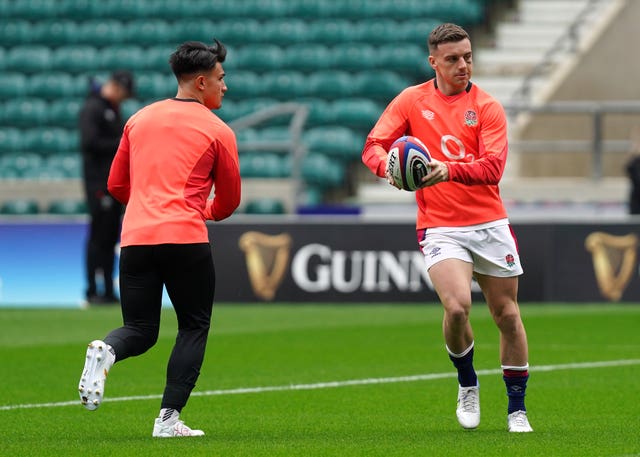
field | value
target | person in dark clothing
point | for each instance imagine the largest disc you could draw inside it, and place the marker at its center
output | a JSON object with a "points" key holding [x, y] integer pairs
{"points": [[101, 125]]}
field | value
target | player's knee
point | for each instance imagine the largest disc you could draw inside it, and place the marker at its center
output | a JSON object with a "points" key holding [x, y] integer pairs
{"points": [[457, 315]]}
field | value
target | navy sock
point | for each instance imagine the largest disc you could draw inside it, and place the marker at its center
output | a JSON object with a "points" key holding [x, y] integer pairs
{"points": [[464, 364], [516, 383]]}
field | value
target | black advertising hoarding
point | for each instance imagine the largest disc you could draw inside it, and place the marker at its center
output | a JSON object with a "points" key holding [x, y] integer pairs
{"points": [[354, 261]]}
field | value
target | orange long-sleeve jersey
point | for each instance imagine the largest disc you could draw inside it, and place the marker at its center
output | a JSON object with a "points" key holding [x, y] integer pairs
{"points": [[468, 131], [171, 154]]}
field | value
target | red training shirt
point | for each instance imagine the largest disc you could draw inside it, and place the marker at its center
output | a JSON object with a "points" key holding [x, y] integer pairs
{"points": [[170, 155], [468, 131]]}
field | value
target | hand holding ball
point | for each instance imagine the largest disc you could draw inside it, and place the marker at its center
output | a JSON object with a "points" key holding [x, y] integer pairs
{"points": [[408, 162]]}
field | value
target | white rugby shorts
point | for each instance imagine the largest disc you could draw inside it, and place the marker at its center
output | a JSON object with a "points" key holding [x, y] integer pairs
{"points": [[492, 250]]}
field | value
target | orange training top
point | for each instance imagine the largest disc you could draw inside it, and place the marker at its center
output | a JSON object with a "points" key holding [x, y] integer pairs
{"points": [[468, 131], [170, 155]]}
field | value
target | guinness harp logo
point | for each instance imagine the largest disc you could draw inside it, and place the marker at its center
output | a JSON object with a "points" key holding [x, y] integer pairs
{"points": [[267, 258], [614, 260]]}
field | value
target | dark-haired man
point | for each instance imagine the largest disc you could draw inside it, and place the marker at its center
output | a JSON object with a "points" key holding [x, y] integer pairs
{"points": [[100, 124], [462, 225], [171, 154]]}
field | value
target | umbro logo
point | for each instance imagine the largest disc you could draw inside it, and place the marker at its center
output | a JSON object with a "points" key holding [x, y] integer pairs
{"points": [[428, 114], [434, 252]]}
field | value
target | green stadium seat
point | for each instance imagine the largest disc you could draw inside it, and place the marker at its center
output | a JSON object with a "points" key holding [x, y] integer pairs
{"points": [[19, 207], [262, 9], [238, 32], [245, 136], [259, 57], [99, 33], [321, 171], [262, 165], [12, 85], [28, 59], [69, 162], [51, 86], [285, 85], [265, 206], [67, 206], [130, 107], [44, 173], [75, 59], [410, 60], [382, 85], [123, 56], [33, 10], [16, 32], [25, 112], [21, 162], [320, 111], [64, 112], [355, 57], [360, 113], [331, 84], [148, 32], [332, 31], [11, 140], [57, 33], [335, 141], [155, 85], [307, 57], [284, 31], [51, 140], [245, 84], [154, 58], [312, 9]]}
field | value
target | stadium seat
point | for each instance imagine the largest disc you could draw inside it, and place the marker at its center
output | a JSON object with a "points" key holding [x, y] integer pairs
{"points": [[64, 112], [44, 172], [25, 112], [360, 113], [320, 111], [34, 10], [321, 171], [67, 206], [332, 31], [154, 58], [262, 9], [105, 32], [307, 57], [380, 85], [259, 57], [285, 85], [124, 56], [331, 84], [265, 206], [11, 140], [12, 85], [284, 31], [148, 32], [238, 32], [16, 32], [75, 59], [409, 60], [155, 86], [56, 33], [69, 162], [251, 105], [53, 85], [129, 107], [245, 84], [262, 165], [51, 140], [28, 59], [17, 207], [355, 57], [335, 141], [21, 162]]}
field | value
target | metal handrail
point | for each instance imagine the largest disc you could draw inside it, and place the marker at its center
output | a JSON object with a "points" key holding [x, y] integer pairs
{"points": [[596, 109]]}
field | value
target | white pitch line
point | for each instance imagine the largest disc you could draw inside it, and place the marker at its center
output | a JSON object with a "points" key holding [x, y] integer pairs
{"points": [[334, 384]]}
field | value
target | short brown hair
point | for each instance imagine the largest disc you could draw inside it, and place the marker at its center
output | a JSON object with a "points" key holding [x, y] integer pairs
{"points": [[446, 33]]}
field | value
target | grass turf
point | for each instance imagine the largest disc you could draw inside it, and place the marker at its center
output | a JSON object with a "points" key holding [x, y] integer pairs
{"points": [[575, 411]]}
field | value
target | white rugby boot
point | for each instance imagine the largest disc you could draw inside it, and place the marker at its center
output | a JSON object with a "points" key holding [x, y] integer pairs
{"points": [[468, 409], [173, 429], [518, 422], [97, 364]]}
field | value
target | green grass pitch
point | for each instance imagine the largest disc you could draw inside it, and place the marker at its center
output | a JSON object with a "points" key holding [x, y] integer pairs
{"points": [[326, 380]]}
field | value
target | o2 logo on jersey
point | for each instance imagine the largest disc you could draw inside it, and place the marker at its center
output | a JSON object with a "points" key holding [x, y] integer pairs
{"points": [[453, 148]]}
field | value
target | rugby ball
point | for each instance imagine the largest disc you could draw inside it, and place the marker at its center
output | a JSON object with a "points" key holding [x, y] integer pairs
{"points": [[408, 162]]}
